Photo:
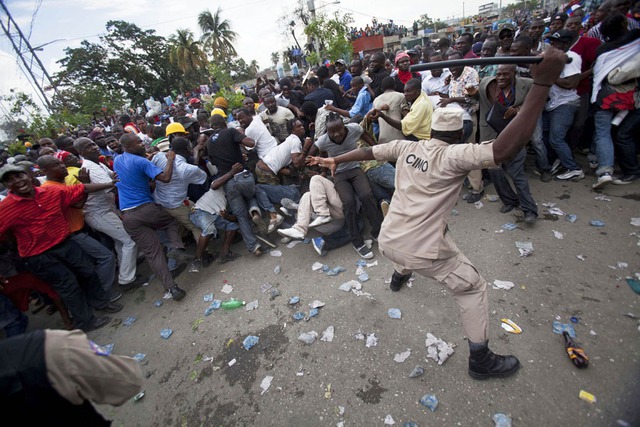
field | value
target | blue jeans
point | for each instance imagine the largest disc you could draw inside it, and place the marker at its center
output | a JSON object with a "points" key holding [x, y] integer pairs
{"points": [[537, 143], [384, 175], [625, 145], [515, 170], [12, 320], [603, 141], [239, 190], [103, 258], [275, 193], [555, 125]]}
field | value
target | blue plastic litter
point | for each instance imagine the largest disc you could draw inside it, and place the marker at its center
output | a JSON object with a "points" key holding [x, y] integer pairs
{"points": [[597, 223], [501, 420], [306, 241], [215, 304], [166, 333], [101, 350], [430, 401], [361, 263], [294, 300], [574, 319], [139, 357], [409, 424], [313, 312], [325, 268], [129, 320], [208, 297], [250, 341], [571, 218], [634, 284], [335, 271], [157, 302], [559, 328], [395, 313], [363, 277], [509, 226], [298, 315]]}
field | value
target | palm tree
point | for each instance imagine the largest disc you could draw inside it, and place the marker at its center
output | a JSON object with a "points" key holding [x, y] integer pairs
{"points": [[217, 35], [253, 66], [186, 54]]}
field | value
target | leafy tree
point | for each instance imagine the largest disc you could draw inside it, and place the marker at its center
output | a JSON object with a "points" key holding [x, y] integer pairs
{"points": [[426, 22], [332, 36], [185, 53], [253, 67], [217, 35], [275, 57]]}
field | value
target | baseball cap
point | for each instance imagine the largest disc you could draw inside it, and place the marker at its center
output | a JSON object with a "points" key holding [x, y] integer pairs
{"points": [[194, 101], [562, 35], [507, 26], [446, 119], [164, 146], [341, 61], [9, 169], [412, 52], [561, 16]]}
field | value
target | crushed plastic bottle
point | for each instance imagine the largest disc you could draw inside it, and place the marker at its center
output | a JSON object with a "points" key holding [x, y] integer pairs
{"points": [[335, 271], [232, 303], [430, 401], [294, 300], [501, 420], [166, 333], [596, 223], [250, 341], [418, 371], [277, 269], [298, 315], [308, 337], [571, 218], [395, 313], [313, 312], [559, 328], [157, 302], [215, 304], [129, 320]]}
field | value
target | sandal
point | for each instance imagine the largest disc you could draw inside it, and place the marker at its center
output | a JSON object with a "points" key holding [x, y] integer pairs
{"points": [[231, 256]]}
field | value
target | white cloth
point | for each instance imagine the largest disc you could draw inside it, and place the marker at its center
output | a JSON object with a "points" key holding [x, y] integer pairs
{"points": [[559, 96], [99, 174], [213, 201], [608, 61], [280, 156], [257, 131], [172, 194]]}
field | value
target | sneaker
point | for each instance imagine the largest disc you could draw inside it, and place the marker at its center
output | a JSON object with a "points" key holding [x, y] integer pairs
{"points": [[555, 168], [179, 255], [111, 307], [530, 217], [320, 220], [475, 197], [384, 207], [507, 208], [230, 256], [292, 232], [137, 282], [289, 204], [96, 323], [398, 280], [318, 245], [546, 176], [284, 211], [115, 295], [265, 240], [177, 293], [572, 175], [274, 223], [485, 364], [602, 181], [196, 266], [627, 179], [364, 251]]}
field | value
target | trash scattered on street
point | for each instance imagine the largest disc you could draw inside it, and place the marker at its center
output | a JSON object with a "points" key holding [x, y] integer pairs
{"points": [[596, 223], [316, 304], [493, 198], [129, 320], [312, 313], [275, 253], [388, 420], [581, 257], [335, 271], [139, 357], [401, 357], [558, 235], [559, 328], [227, 289], [294, 300], [634, 284], [549, 204], [232, 303], [250, 341], [430, 401], [372, 341], [437, 349], [298, 315], [340, 411], [327, 335], [308, 337], [265, 384], [418, 371], [252, 305], [587, 397], [274, 293], [166, 333], [509, 226], [503, 284], [157, 302], [622, 264], [409, 424], [372, 264], [215, 304], [327, 393], [525, 248], [395, 313], [635, 222], [317, 266], [139, 396], [556, 211], [571, 218], [478, 204], [232, 362], [265, 287], [351, 284], [363, 276], [208, 297], [101, 350], [293, 244], [277, 269], [574, 319], [501, 420], [602, 198], [576, 353], [455, 212], [509, 326]]}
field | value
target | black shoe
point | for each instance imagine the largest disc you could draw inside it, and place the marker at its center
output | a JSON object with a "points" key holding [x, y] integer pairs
{"points": [[139, 281], [530, 217], [475, 197], [96, 323], [485, 364], [398, 280], [546, 176], [507, 208], [178, 271], [627, 179], [112, 307], [177, 293]]}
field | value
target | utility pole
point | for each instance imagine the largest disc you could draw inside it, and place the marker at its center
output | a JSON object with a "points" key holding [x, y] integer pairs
{"points": [[32, 64], [312, 10]]}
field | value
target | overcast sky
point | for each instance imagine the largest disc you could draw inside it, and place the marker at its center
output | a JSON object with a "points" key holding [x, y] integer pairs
{"points": [[68, 22]]}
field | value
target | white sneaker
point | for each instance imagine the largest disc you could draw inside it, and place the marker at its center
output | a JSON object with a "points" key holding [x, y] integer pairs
{"points": [[274, 223], [364, 252], [289, 204], [573, 175], [323, 219], [556, 167], [293, 233], [603, 180]]}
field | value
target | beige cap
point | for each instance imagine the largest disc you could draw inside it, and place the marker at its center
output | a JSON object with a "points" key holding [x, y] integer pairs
{"points": [[446, 119], [163, 146]]}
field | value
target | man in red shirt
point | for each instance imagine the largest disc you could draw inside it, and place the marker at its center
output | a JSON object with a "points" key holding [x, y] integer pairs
{"points": [[35, 216]]}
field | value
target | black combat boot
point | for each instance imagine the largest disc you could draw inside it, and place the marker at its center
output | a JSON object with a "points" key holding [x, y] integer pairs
{"points": [[483, 363], [397, 280]]}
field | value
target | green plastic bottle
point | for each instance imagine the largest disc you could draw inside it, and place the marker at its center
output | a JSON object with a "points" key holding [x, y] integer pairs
{"points": [[232, 303]]}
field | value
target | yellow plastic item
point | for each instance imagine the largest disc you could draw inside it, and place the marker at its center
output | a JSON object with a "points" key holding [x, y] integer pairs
{"points": [[509, 326], [587, 397]]}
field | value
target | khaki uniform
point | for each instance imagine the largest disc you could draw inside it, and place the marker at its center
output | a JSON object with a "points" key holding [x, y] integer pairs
{"points": [[414, 235]]}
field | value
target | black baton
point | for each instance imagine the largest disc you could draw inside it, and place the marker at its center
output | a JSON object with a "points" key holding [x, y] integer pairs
{"points": [[478, 61]]}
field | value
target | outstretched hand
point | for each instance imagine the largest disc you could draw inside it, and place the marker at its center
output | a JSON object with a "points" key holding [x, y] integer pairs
{"points": [[324, 162]]}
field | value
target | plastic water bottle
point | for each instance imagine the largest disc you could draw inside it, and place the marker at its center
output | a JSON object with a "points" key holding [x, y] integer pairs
{"points": [[294, 69], [280, 70], [232, 303]]}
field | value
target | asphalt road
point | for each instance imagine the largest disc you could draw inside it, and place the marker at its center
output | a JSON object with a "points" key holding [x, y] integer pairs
{"points": [[189, 381]]}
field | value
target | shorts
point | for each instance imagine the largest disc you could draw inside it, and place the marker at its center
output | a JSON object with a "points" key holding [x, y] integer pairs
{"points": [[209, 223]]}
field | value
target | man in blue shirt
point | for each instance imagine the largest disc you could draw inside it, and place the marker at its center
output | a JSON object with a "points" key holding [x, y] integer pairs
{"points": [[345, 76], [141, 216], [362, 105]]}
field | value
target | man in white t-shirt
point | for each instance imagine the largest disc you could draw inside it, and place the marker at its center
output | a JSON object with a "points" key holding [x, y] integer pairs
{"points": [[256, 130], [276, 117], [289, 152], [561, 108], [436, 82]]}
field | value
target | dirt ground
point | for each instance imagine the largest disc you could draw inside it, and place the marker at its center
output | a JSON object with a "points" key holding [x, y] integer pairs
{"points": [[189, 381]]}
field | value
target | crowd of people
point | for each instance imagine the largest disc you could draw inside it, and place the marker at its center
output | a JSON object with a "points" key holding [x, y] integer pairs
{"points": [[80, 212]]}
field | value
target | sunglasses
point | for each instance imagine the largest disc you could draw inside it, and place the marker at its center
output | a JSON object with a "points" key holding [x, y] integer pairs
{"points": [[505, 36]]}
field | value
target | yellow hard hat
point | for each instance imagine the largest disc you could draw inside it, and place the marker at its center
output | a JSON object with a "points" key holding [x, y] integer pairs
{"points": [[28, 144], [175, 128]]}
